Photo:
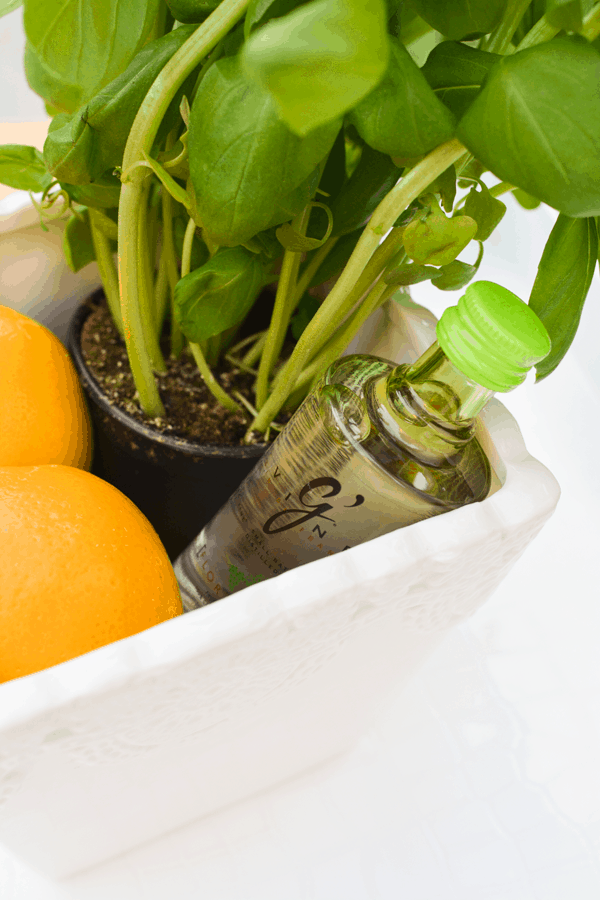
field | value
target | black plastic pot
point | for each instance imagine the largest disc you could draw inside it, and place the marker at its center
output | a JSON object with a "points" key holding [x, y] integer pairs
{"points": [[177, 484]]}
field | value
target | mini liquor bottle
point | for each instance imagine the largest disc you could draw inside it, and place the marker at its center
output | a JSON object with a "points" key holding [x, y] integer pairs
{"points": [[374, 447]]}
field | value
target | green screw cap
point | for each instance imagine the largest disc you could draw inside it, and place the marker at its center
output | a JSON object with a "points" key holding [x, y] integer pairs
{"points": [[492, 336]]}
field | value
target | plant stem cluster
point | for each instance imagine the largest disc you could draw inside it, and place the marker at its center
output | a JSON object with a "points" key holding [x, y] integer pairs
{"points": [[215, 139]]}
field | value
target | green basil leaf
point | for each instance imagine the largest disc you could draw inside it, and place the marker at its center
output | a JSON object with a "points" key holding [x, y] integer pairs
{"points": [[334, 173], [83, 46], [473, 171], [372, 179], [353, 148], [69, 149], [410, 274], [219, 294], [291, 239], [288, 207], [81, 147], [437, 240], [486, 210], [458, 19], [393, 7], [454, 276], [232, 43], [259, 12], [304, 313], [106, 222], [7, 6], [525, 200], [536, 124], [103, 193], [78, 247], [320, 60], [192, 11], [57, 93], [270, 246], [562, 284], [402, 116], [456, 73], [410, 26], [51, 111], [336, 259], [252, 245], [412, 211], [23, 168], [248, 170], [457, 274], [565, 14], [445, 186]]}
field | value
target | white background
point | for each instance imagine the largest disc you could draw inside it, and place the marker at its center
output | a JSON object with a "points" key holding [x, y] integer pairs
{"points": [[482, 780]]}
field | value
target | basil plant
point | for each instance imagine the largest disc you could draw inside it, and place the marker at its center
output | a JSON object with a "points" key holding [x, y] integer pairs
{"points": [[224, 147]]}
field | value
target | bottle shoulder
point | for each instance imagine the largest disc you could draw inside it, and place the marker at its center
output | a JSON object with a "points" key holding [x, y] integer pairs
{"points": [[356, 370], [413, 451]]}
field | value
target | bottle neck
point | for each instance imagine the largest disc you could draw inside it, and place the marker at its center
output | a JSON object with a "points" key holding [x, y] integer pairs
{"points": [[434, 389]]}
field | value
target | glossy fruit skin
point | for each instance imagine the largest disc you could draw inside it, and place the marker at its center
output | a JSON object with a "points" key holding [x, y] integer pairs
{"points": [[81, 567], [43, 414]]}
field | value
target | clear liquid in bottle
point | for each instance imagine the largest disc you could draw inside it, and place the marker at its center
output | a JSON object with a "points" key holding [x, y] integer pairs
{"points": [[370, 450]]}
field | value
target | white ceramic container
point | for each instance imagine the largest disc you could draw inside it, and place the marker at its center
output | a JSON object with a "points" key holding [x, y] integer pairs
{"points": [[34, 277], [113, 748]]}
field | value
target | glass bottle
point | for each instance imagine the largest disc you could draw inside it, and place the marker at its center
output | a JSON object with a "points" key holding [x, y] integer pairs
{"points": [[374, 447]]}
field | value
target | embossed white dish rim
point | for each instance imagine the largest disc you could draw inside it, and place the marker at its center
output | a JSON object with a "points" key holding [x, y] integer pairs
{"points": [[294, 594]]}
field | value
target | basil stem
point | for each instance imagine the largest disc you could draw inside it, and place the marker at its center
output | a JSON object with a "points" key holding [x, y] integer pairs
{"points": [[139, 143], [106, 268], [312, 268], [499, 40], [378, 295], [286, 288], [335, 307], [591, 24], [207, 376], [542, 31]]}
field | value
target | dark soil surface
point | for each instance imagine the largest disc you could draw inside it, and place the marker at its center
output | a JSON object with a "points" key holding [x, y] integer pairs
{"points": [[191, 410]]}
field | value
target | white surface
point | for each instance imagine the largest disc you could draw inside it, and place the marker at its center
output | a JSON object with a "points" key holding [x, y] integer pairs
{"points": [[255, 689], [482, 780], [480, 783], [34, 277]]}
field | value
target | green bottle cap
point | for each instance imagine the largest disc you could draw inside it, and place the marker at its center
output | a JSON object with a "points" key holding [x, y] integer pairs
{"points": [[492, 336]]}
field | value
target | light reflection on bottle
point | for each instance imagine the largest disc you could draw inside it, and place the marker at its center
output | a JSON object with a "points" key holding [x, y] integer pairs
{"points": [[373, 448]]}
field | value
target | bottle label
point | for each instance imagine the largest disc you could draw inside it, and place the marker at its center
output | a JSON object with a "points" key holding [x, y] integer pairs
{"points": [[307, 498], [330, 481]]}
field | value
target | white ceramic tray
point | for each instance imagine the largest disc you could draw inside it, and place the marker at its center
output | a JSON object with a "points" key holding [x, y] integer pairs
{"points": [[116, 747], [34, 277]]}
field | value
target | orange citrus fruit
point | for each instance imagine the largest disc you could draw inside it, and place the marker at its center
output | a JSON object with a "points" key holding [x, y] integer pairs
{"points": [[81, 567], [43, 416]]}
